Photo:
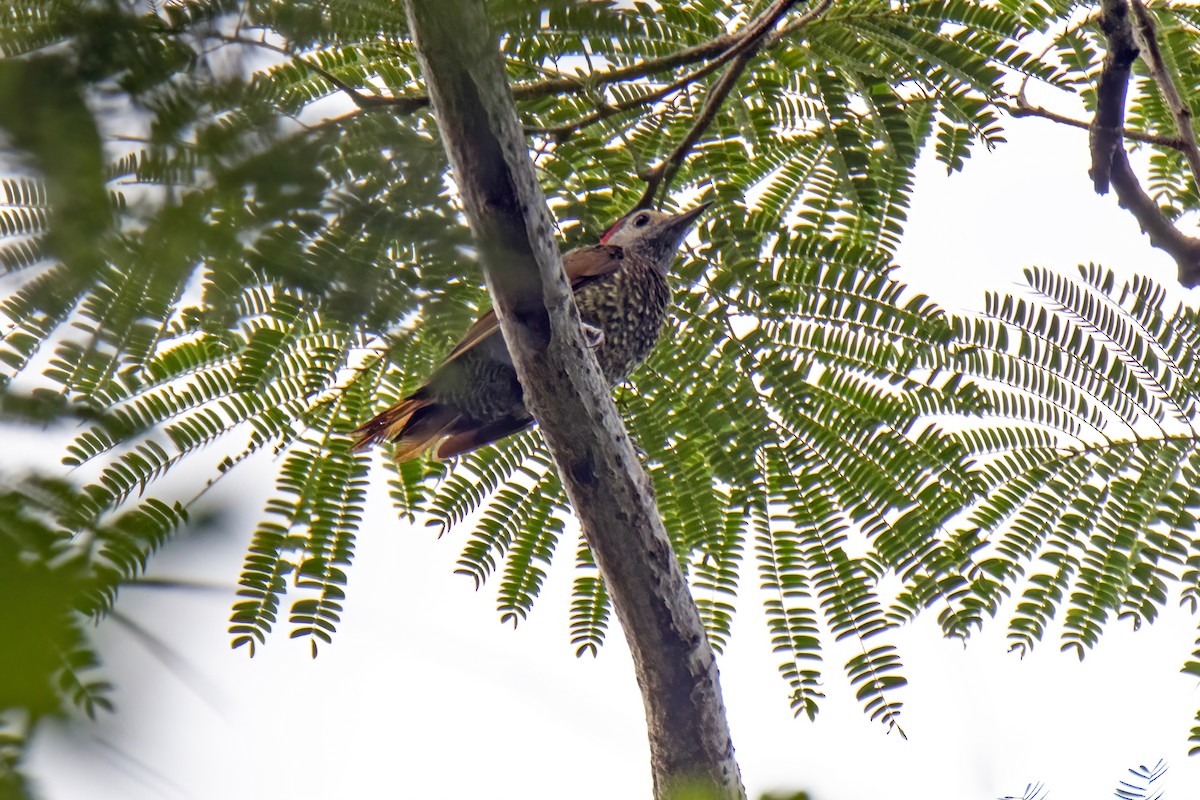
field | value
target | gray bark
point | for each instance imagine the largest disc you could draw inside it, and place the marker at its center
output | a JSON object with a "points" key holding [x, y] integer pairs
{"points": [[690, 746]]}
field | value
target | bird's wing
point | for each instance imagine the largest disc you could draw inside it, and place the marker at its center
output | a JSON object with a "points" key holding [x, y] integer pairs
{"points": [[583, 265], [586, 264], [482, 328]]}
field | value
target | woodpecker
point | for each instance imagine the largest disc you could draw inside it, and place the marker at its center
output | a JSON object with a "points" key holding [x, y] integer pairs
{"points": [[473, 398]]}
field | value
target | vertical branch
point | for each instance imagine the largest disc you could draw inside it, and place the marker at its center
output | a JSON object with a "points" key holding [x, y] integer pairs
{"points": [[690, 746], [1109, 122]]}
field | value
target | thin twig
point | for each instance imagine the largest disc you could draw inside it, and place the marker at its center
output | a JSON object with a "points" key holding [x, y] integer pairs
{"points": [[608, 110], [1145, 34], [237, 38], [722, 47], [1068, 30], [562, 84], [753, 39], [566, 84], [363, 101], [573, 85], [1023, 108], [662, 175]]}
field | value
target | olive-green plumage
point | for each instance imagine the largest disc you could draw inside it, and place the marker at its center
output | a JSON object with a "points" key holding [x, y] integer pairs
{"points": [[474, 398]]}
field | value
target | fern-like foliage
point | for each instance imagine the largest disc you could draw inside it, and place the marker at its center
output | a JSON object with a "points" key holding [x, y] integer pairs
{"points": [[1094, 481], [1142, 785], [61, 566], [244, 240], [1087, 455], [1033, 791]]}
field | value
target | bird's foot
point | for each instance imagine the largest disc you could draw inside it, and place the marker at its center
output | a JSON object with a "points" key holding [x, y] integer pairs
{"points": [[593, 337]]}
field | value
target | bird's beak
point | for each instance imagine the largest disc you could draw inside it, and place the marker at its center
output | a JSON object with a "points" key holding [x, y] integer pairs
{"points": [[682, 223], [685, 219]]}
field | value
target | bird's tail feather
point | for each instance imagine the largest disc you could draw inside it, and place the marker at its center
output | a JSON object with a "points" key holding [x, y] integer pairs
{"points": [[416, 423], [477, 437]]}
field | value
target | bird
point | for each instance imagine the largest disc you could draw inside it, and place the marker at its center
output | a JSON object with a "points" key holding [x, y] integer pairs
{"points": [[473, 397]]}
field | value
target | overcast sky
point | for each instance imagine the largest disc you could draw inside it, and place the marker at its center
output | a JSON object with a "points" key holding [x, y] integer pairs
{"points": [[424, 694]]}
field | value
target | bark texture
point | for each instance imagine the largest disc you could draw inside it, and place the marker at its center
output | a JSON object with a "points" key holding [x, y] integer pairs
{"points": [[690, 747]]}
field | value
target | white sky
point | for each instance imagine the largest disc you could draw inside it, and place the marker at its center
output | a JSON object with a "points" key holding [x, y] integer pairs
{"points": [[424, 694]]}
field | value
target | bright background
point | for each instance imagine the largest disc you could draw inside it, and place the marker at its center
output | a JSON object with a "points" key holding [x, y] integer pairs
{"points": [[423, 694]]}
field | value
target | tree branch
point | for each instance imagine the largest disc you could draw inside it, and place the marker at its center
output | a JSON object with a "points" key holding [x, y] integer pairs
{"points": [[1162, 232], [1145, 34], [721, 49], [606, 110], [662, 175], [1110, 163], [752, 40], [689, 737], [1107, 126], [1024, 109], [363, 101], [744, 39], [567, 84]]}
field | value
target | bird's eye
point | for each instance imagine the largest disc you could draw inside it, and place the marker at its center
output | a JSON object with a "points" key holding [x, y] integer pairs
{"points": [[641, 220]]}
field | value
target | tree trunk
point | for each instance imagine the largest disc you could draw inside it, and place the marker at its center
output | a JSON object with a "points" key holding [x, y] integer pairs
{"points": [[690, 747]]}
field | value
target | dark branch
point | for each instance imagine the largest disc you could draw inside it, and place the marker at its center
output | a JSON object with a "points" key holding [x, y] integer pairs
{"points": [[756, 35], [1110, 163], [1109, 122], [608, 110], [363, 101], [643, 69], [566, 84], [662, 175], [1162, 232], [245, 40]]}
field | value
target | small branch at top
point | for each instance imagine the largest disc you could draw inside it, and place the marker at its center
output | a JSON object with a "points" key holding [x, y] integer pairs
{"points": [[720, 49], [662, 175], [755, 36], [608, 110], [751, 36], [409, 103], [237, 38]]}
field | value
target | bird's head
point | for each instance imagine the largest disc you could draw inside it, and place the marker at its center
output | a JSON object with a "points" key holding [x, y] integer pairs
{"points": [[654, 235]]}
